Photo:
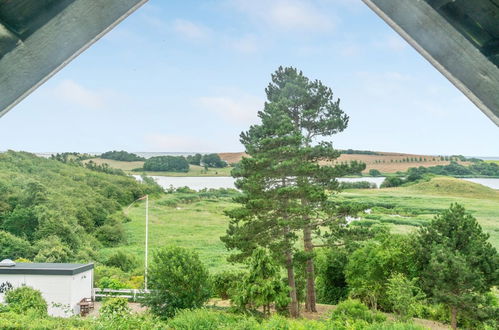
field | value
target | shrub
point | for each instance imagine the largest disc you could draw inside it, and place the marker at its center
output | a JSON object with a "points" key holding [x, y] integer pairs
{"points": [[101, 272], [178, 280], [209, 319], [404, 296], [331, 283], [52, 249], [111, 283], [13, 247], [262, 286], [115, 307], [24, 299], [110, 235], [392, 181], [352, 310], [374, 172], [225, 282], [122, 260]]}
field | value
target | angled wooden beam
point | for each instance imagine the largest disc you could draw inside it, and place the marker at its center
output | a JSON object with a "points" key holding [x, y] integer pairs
{"points": [[54, 44], [445, 48]]}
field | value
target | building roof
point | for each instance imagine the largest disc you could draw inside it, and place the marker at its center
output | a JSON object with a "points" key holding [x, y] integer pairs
{"points": [[46, 268]]}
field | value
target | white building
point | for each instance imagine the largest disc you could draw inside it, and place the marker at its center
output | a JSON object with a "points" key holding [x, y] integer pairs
{"points": [[62, 286]]}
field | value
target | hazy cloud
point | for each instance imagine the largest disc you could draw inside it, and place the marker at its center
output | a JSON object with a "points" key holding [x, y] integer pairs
{"points": [[286, 14], [191, 30], [71, 92], [176, 143], [240, 110]]}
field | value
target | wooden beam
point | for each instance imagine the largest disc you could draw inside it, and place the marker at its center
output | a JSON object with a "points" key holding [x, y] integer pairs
{"points": [[55, 44]]}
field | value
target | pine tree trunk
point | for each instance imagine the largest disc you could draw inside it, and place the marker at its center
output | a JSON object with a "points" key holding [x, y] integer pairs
{"points": [[309, 247], [453, 317], [293, 306]]}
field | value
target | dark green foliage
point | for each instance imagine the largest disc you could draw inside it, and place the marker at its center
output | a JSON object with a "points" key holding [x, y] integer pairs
{"points": [[178, 280], [13, 247], [224, 283], [52, 249], [122, 260], [357, 185], [455, 169], [392, 181], [456, 262], [262, 286], [194, 159], [331, 282], [374, 172], [167, 163], [121, 156], [25, 299], [358, 152], [213, 160], [370, 267]]}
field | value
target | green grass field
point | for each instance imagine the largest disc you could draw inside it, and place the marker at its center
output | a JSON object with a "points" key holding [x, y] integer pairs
{"points": [[194, 170], [199, 224]]}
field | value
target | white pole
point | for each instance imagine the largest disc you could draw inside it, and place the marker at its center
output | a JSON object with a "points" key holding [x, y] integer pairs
{"points": [[147, 239]]}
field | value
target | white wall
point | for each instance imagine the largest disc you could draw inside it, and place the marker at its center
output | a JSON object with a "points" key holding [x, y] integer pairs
{"points": [[61, 292]]}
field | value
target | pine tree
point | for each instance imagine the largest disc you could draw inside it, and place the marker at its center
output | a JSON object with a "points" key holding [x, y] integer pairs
{"points": [[284, 186], [456, 261]]}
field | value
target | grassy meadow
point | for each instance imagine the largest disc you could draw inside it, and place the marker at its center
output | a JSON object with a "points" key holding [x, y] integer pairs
{"points": [[197, 224]]}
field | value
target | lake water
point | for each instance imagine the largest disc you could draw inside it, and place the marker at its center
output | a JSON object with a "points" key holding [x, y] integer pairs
{"points": [[198, 183], [492, 183]]}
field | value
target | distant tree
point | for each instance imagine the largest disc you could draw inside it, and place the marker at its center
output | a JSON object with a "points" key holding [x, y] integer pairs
{"points": [[194, 159], [456, 261], [213, 160], [392, 181], [178, 280], [121, 156], [167, 163], [374, 172]]}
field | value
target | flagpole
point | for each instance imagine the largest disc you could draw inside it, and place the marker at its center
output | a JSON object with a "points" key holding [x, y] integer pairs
{"points": [[147, 239]]}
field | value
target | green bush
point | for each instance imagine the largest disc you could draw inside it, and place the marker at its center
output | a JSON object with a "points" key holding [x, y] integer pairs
{"points": [[24, 299], [167, 163], [404, 296], [110, 235], [352, 309], [330, 269], [374, 172], [111, 283], [122, 260], [225, 282], [52, 249], [13, 247], [209, 319], [115, 307], [178, 280], [101, 272]]}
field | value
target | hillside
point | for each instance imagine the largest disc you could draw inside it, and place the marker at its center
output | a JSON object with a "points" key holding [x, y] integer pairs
{"points": [[385, 162], [454, 187], [56, 212]]}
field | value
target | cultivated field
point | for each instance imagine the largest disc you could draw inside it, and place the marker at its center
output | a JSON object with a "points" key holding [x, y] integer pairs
{"points": [[385, 162], [193, 169]]}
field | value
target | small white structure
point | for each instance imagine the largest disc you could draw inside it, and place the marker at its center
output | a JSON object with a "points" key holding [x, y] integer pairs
{"points": [[62, 286]]}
